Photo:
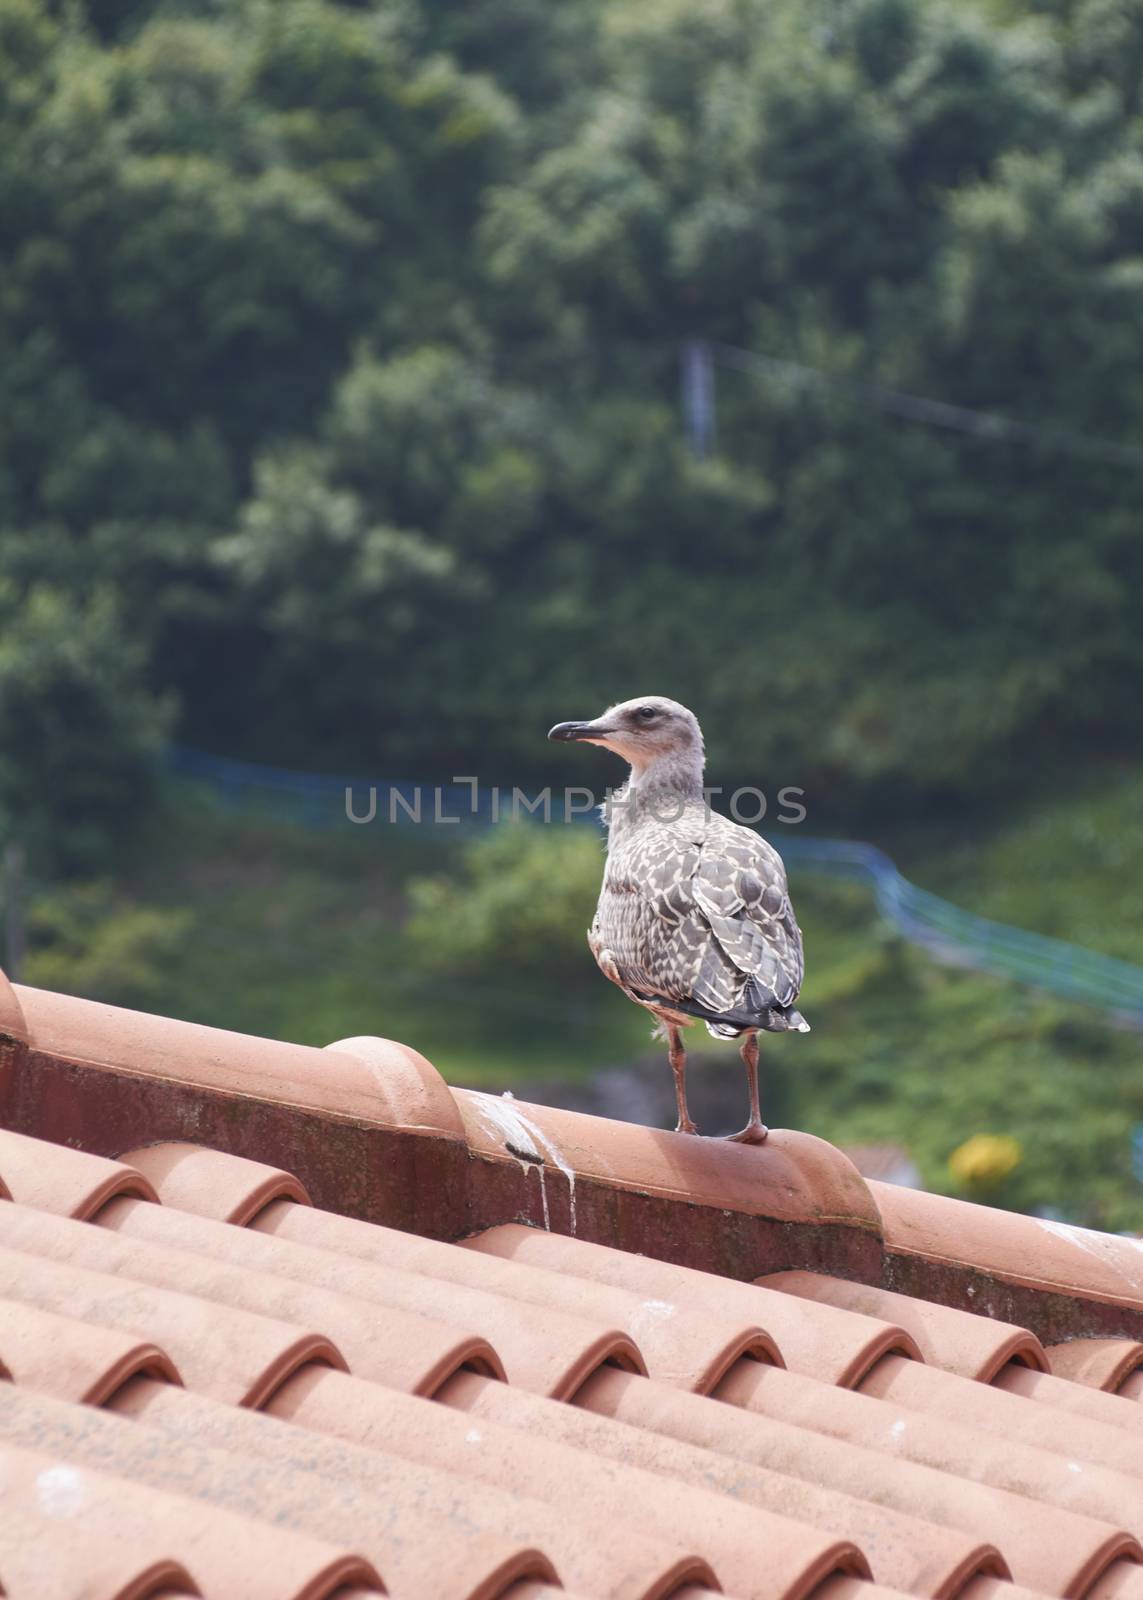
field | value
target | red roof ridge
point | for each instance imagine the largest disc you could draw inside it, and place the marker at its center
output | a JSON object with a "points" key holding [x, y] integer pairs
{"points": [[13, 1028], [1003, 1261], [802, 1178], [368, 1128]]}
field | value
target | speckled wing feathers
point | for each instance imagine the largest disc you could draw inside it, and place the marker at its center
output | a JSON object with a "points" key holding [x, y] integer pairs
{"points": [[696, 910]]}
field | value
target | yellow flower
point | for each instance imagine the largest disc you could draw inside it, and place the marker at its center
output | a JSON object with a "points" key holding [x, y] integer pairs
{"points": [[985, 1158]]}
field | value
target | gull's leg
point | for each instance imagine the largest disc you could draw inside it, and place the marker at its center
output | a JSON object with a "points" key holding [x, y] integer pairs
{"points": [[755, 1130], [677, 1056]]}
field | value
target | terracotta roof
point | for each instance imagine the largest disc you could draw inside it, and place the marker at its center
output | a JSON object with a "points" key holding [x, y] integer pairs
{"points": [[288, 1322]]}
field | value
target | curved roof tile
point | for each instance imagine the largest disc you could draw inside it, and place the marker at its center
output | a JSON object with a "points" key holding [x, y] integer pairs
{"points": [[743, 1460], [237, 1355], [958, 1341], [1132, 1388], [1050, 1550], [904, 1551], [95, 1488], [992, 1411], [686, 1339], [387, 1344], [385, 1318], [1099, 1363], [803, 1177], [71, 1359], [749, 1547], [417, 1520], [52, 1177], [1030, 1251], [835, 1346], [1073, 1398], [192, 1178], [92, 1560]]}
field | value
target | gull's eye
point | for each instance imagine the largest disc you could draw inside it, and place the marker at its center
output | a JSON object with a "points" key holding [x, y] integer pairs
{"points": [[646, 713]]}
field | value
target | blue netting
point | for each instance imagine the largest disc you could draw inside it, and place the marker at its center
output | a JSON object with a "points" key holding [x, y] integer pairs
{"points": [[948, 932], [955, 935]]}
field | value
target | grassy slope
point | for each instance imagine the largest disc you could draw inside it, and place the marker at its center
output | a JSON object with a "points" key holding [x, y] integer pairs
{"points": [[299, 935], [937, 1055], [1071, 867]]}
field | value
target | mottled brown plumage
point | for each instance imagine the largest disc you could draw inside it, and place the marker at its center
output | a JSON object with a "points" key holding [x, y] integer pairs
{"points": [[694, 920]]}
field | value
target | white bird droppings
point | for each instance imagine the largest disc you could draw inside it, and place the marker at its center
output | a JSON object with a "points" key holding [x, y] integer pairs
{"points": [[59, 1491], [528, 1143], [652, 1313], [1101, 1247]]}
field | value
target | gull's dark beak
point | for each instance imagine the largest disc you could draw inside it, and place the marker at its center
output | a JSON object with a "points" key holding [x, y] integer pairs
{"points": [[571, 730]]}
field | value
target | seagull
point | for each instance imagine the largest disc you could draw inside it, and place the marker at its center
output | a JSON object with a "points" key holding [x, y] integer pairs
{"points": [[694, 919]]}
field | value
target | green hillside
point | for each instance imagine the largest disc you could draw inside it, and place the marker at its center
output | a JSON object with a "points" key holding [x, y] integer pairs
{"points": [[340, 348]]}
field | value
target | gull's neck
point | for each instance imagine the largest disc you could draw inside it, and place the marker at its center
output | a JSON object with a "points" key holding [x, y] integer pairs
{"points": [[661, 789], [679, 772]]}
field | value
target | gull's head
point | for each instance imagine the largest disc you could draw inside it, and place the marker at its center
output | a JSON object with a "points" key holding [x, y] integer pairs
{"points": [[643, 731]]}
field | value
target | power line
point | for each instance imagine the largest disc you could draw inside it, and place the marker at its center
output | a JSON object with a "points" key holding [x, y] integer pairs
{"points": [[987, 425]]}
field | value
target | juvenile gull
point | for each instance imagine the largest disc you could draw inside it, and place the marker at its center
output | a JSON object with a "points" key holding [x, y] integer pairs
{"points": [[694, 919]]}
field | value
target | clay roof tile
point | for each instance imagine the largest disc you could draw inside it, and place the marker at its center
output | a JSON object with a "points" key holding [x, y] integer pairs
{"points": [[1046, 1548], [229, 1188], [74, 1360], [903, 1551], [833, 1345], [1132, 1388], [1074, 1399], [687, 1339], [86, 1488], [392, 1346], [434, 1532], [53, 1177], [844, 1377], [976, 1347], [237, 1355], [802, 1177], [1099, 1363], [385, 1320], [992, 1412], [37, 1564], [753, 1550], [1123, 1580], [1033, 1252]]}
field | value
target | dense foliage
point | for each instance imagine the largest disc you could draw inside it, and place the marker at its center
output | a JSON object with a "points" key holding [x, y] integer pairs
{"points": [[338, 361]]}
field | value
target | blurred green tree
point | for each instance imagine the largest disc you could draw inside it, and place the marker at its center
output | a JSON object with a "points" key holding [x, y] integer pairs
{"points": [[79, 733], [341, 341]]}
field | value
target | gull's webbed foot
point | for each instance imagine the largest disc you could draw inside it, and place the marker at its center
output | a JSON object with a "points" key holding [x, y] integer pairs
{"points": [[753, 1133]]}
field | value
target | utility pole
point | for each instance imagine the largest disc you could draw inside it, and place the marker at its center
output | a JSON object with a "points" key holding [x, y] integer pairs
{"points": [[698, 396], [15, 936]]}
